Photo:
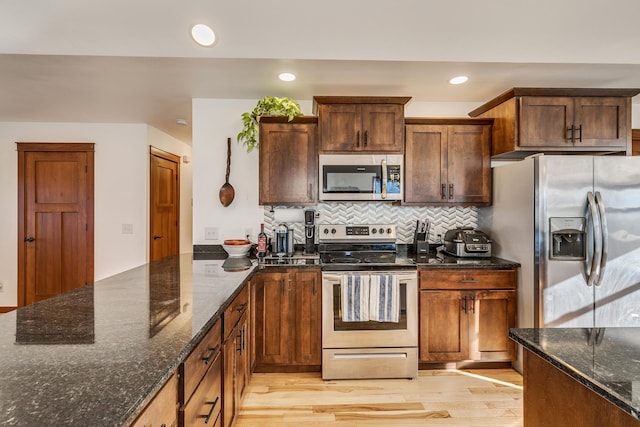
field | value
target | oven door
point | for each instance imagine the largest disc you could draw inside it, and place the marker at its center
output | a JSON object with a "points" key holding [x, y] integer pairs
{"points": [[360, 177], [337, 333]]}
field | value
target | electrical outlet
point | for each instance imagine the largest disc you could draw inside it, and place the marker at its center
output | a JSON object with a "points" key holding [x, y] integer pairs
{"points": [[211, 233], [127, 228]]}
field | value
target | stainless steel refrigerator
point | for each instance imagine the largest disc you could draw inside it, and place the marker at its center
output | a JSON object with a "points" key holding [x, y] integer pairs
{"points": [[573, 223]]}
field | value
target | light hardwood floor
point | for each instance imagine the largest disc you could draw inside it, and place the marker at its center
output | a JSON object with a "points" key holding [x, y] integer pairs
{"points": [[470, 398]]}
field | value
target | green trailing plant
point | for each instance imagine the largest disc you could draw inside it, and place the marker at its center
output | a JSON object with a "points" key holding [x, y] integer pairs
{"points": [[267, 106]]}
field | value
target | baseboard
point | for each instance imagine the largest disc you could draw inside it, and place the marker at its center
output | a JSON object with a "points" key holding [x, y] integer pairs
{"points": [[6, 309]]}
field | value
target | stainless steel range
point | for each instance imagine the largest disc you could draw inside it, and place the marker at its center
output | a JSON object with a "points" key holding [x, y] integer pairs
{"points": [[369, 304]]}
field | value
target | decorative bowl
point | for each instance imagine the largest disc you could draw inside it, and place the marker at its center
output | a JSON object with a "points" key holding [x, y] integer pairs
{"points": [[236, 248]]}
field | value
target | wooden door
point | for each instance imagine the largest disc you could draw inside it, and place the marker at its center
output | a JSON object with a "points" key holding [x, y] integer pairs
{"points": [[604, 122], [339, 127], [382, 127], [492, 314], [272, 320], [545, 121], [288, 164], [55, 219], [308, 318], [425, 170], [165, 204], [444, 326], [469, 164]]}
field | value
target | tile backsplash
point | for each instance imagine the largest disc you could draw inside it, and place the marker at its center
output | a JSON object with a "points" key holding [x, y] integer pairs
{"points": [[404, 217]]}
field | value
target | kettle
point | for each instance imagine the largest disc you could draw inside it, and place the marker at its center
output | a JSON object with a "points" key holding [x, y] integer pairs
{"points": [[283, 240]]}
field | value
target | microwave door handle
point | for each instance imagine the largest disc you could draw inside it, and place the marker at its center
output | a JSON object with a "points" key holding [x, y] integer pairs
{"points": [[383, 184]]}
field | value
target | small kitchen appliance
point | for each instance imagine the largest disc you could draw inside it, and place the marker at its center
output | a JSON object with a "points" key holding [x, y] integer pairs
{"points": [[309, 232], [283, 241], [467, 243]]}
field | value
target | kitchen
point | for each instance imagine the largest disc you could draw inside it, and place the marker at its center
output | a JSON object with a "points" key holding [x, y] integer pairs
{"points": [[213, 120]]}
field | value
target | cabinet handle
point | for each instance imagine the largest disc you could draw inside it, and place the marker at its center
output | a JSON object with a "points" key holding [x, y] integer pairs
{"points": [[580, 133], [572, 134], [213, 406], [464, 304], [213, 351], [240, 308], [450, 191], [310, 193], [358, 139], [366, 137], [473, 305], [443, 191], [283, 286]]}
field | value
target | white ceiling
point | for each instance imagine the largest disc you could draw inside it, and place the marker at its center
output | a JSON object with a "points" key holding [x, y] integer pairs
{"points": [[134, 62]]}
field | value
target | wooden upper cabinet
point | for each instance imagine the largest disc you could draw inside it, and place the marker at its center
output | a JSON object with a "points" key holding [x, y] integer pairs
{"points": [[635, 138], [288, 161], [360, 124], [447, 162], [530, 120]]}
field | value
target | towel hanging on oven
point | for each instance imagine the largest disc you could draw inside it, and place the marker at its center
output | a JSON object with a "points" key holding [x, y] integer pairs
{"points": [[384, 305], [355, 297]]}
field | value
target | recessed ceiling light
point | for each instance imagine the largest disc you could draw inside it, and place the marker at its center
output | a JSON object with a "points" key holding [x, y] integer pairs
{"points": [[287, 77], [458, 80], [203, 35]]}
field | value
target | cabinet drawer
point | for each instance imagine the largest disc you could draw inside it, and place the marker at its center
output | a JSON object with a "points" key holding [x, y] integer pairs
{"points": [[196, 364], [163, 408], [235, 310], [467, 279], [203, 408]]}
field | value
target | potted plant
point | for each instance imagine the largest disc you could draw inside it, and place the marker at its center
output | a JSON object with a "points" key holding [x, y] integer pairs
{"points": [[267, 106]]}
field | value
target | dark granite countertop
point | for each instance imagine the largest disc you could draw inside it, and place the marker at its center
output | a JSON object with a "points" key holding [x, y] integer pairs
{"points": [[436, 258], [97, 355], [605, 360]]}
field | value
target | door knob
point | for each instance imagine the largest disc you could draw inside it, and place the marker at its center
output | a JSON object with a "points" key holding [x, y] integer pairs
{"points": [[156, 237], [29, 239]]}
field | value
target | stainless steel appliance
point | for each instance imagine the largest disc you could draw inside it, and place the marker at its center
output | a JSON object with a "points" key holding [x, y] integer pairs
{"points": [[283, 241], [573, 222], [360, 177], [467, 243], [366, 346]]}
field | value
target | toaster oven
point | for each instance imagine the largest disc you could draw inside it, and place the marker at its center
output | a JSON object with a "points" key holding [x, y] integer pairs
{"points": [[467, 243]]}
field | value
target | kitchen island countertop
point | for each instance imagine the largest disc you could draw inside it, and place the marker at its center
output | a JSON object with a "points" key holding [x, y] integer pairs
{"points": [[96, 356], [605, 360]]}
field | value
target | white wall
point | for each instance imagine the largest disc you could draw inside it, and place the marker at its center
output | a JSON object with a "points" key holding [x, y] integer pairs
{"points": [[121, 191]]}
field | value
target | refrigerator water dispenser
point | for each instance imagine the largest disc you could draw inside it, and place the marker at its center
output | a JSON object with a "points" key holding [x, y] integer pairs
{"points": [[567, 239]]}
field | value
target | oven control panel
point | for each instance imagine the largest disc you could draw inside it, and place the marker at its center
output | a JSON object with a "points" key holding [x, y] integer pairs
{"points": [[369, 232]]}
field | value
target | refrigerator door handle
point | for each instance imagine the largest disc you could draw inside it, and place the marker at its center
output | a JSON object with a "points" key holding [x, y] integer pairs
{"points": [[605, 237], [594, 213]]}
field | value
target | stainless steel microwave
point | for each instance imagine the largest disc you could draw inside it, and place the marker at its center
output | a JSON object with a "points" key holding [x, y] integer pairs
{"points": [[360, 177]]}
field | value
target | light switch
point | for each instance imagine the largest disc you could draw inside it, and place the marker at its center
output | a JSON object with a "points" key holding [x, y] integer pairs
{"points": [[127, 228]]}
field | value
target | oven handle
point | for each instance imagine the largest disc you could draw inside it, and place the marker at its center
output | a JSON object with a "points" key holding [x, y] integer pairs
{"points": [[337, 278]]}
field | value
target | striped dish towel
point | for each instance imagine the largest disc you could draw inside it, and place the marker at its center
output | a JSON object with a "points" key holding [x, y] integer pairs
{"points": [[384, 303], [355, 297]]}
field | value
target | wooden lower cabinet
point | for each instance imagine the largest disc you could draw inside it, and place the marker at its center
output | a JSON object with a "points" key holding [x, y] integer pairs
{"points": [[462, 324], [236, 352], [287, 315], [162, 411]]}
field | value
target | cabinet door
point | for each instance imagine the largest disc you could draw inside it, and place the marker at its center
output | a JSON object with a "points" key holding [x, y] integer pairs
{"points": [[272, 322], [492, 314], [288, 164], [229, 373], [545, 121], [604, 122], [382, 127], [308, 318], [425, 171], [444, 326], [242, 362], [339, 127], [469, 164]]}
